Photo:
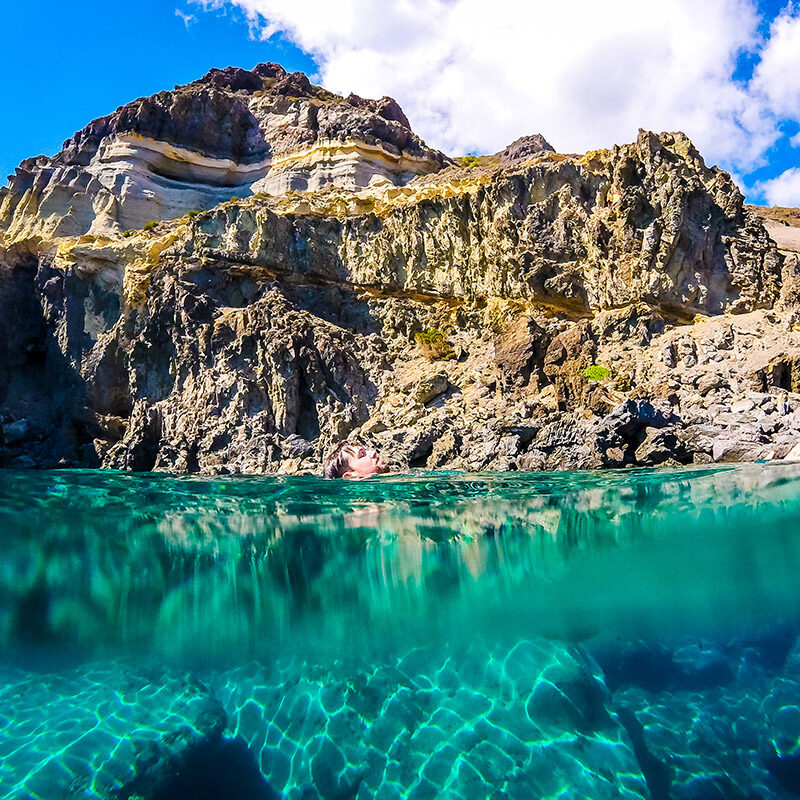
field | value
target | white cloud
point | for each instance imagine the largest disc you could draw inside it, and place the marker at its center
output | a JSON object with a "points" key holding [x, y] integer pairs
{"points": [[473, 76], [777, 74], [187, 19], [784, 190]]}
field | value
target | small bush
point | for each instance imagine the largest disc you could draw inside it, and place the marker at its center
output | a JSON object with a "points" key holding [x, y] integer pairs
{"points": [[596, 373], [433, 344], [149, 225], [469, 161], [193, 213], [128, 232]]}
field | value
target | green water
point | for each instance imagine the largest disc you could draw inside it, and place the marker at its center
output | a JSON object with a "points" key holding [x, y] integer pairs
{"points": [[116, 563], [298, 593]]}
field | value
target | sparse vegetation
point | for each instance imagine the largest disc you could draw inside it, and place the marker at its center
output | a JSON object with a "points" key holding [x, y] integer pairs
{"points": [[782, 214], [149, 225], [433, 345], [595, 372], [128, 232], [469, 161], [193, 213]]}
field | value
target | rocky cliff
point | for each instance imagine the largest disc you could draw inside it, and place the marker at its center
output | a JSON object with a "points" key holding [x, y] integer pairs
{"points": [[523, 310], [231, 133]]}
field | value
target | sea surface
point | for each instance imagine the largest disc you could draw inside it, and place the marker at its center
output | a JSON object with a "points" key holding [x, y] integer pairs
{"points": [[614, 634]]}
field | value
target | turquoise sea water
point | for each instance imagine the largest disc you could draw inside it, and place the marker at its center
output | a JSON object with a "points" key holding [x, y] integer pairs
{"points": [[581, 635]]}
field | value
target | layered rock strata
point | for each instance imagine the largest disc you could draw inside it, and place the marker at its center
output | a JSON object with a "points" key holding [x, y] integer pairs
{"points": [[252, 336], [647, 221], [231, 133]]}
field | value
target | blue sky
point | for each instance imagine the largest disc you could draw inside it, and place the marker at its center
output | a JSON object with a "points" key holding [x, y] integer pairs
{"points": [[584, 74], [84, 63]]}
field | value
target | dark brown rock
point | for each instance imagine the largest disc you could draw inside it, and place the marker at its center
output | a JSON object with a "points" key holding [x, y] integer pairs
{"points": [[524, 148], [659, 446], [565, 362], [519, 352]]}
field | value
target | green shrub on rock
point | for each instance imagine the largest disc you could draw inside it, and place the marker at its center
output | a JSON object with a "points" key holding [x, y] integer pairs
{"points": [[594, 372], [433, 345], [468, 161], [149, 225]]}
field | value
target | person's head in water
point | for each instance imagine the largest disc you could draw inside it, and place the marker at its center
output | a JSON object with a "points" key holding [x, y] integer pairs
{"points": [[352, 460]]}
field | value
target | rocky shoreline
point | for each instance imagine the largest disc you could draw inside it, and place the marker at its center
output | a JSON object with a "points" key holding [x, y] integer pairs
{"points": [[527, 310]]}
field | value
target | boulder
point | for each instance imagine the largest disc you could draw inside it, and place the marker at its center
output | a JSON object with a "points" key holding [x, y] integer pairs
{"points": [[746, 443], [524, 148], [430, 387], [565, 362], [661, 445], [519, 353], [631, 417]]}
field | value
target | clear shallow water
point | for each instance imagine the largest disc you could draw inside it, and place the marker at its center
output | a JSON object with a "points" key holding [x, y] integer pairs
{"points": [[501, 635]]}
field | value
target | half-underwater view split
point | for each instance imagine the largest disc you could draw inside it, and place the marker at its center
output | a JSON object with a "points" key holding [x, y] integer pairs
{"points": [[400, 400]]}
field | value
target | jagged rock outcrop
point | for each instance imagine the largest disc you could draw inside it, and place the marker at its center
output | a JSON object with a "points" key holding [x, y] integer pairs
{"points": [[647, 221], [783, 226], [251, 336], [232, 133], [524, 148]]}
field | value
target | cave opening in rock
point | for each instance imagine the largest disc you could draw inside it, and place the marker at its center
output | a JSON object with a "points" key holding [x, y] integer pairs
{"points": [[307, 417], [216, 769], [782, 376]]}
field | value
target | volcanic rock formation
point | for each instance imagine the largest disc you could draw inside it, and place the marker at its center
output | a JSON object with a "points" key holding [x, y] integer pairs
{"points": [[523, 310], [231, 133]]}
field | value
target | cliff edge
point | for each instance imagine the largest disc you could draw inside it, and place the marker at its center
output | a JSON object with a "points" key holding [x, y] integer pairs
{"points": [[231, 133]]}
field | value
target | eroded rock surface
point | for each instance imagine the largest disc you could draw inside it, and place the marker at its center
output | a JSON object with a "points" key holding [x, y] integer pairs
{"points": [[232, 133]]}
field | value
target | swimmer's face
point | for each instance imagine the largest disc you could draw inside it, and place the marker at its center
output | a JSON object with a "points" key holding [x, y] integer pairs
{"points": [[363, 462]]}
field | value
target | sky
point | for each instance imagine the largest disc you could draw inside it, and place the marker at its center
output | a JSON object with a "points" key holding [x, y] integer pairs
{"points": [[471, 75]]}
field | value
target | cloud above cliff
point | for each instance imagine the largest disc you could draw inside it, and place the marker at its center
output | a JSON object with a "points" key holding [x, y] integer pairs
{"points": [[473, 76], [784, 190]]}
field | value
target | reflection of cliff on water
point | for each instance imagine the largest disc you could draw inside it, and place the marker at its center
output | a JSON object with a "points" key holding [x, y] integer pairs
{"points": [[109, 563]]}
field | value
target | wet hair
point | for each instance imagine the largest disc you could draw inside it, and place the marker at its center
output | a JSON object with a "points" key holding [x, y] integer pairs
{"points": [[338, 460]]}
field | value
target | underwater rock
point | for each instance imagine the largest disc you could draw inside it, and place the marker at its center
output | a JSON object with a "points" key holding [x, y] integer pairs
{"points": [[433, 725], [710, 720], [103, 731]]}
